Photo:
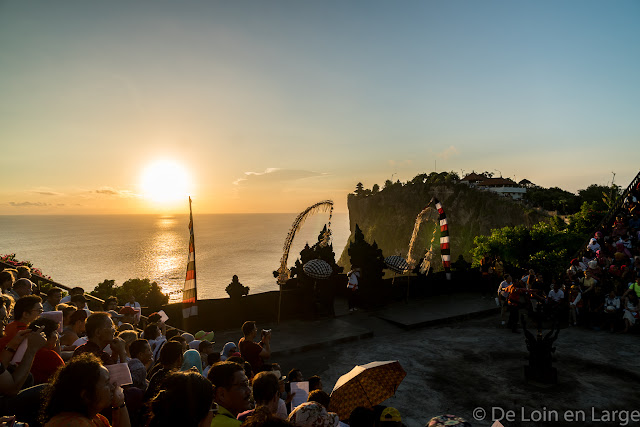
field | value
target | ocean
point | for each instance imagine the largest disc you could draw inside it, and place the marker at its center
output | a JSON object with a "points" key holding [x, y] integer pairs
{"points": [[85, 250]]}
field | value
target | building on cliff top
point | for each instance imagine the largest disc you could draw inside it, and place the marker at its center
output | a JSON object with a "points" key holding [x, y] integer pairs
{"points": [[503, 186]]}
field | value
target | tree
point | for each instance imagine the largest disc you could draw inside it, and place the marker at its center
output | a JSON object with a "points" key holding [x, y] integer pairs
{"points": [[375, 188], [359, 189], [387, 184], [147, 293]]}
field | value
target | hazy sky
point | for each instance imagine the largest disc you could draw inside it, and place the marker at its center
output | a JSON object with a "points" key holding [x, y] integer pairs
{"points": [[271, 106]]}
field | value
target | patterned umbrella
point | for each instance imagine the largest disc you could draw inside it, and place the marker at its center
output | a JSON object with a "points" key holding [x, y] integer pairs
{"points": [[396, 263], [367, 385], [317, 269]]}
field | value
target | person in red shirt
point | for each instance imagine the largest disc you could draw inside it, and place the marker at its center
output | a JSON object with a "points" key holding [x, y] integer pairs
{"points": [[47, 360], [26, 310], [254, 353]]}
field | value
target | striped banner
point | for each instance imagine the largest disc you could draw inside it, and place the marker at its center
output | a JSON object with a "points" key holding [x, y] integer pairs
{"points": [[190, 292], [445, 248]]}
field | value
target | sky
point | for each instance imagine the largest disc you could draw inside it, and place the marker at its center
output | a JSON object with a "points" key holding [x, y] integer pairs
{"points": [[272, 106]]}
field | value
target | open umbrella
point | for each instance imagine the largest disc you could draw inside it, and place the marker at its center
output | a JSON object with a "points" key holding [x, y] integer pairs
{"points": [[396, 263], [366, 385], [317, 269]]}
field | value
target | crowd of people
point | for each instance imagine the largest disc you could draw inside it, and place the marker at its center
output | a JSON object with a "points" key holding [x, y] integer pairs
{"points": [[60, 365], [599, 290]]}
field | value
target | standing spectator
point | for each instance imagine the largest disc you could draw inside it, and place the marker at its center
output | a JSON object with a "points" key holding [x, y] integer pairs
{"points": [[231, 392], [503, 294], [254, 353], [101, 333], [54, 295], [135, 305], [517, 301], [611, 310], [575, 304], [352, 288]]}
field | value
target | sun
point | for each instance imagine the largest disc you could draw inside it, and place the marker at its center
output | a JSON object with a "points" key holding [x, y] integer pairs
{"points": [[165, 182]]}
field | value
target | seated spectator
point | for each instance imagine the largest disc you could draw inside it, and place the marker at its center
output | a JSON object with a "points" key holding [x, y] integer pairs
{"points": [[205, 348], [13, 398], [129, 315], [262, 417], [24, 272], [100, 334], [231, 393], [26, 310], [228, 349], [54, 295], [141, 360], [182, 341], [110, 303], [47, 360], [265, 394], [191, 359], [153, 334], [320, 397], [170, 360], [21, 288], [254, 353], [73, 330], [128, 336], [74, 291], [6, 302], [315, 383], [79, 301], [6, 281], [184, 400], [80, 392], [212, 359], [314, 414]]}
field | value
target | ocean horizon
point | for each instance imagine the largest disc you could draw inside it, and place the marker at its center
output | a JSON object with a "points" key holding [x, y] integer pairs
{"points": [[84, 250]]}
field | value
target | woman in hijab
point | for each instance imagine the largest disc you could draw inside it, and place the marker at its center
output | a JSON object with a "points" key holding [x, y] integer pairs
{"points": [[228, 349], [190, 359]]}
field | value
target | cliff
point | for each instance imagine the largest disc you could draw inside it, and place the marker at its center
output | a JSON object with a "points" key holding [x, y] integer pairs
{"points": [[388, 217]]}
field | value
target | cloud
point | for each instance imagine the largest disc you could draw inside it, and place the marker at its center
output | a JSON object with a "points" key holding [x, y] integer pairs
{"points": [[273, 175], [46, 193], [449, 152], [108, 191], [28, 204]]}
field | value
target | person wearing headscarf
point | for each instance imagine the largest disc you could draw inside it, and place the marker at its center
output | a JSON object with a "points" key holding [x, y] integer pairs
{"points": [[228, 349], [190, 359]]}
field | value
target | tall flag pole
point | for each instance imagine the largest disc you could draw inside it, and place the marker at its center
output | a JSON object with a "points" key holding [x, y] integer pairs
{"points": [[190, 293], [445, 247]]}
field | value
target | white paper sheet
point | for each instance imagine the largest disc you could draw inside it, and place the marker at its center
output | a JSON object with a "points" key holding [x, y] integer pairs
{"points": [[163, 316], [301, 389], [120, 374]]}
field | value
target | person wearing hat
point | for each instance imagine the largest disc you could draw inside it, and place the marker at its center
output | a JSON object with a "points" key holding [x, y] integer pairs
{"points": [[390, 417], [204, 336], [129, 315], [115, 317]]}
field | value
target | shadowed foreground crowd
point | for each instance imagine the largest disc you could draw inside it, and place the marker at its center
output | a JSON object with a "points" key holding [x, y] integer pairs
{"points": [[72, 376]]}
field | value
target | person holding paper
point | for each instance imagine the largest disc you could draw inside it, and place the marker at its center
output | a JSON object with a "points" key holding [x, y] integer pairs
{"points": [[13, 400], [80, 392], [101, 333]]}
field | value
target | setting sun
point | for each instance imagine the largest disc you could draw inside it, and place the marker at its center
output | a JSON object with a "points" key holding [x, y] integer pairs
{"points": [[164, 182]]}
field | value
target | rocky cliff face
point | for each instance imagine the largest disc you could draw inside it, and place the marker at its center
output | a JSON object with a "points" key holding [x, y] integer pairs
{"points": [[388, 217]]}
